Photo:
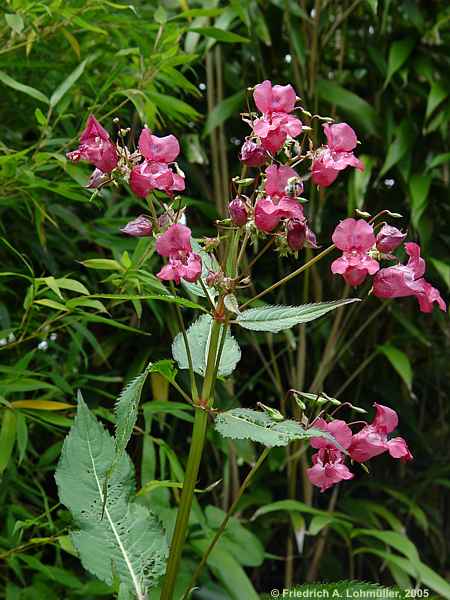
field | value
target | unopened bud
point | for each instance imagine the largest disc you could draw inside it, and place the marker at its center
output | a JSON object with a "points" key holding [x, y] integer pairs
{"points": [[252, 154], [296, 234], [389, 238], [238, 212], [140, 227], [272, 412]]}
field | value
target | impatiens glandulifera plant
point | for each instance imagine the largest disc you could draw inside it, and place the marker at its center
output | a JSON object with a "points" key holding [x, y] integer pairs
{"points": [[117, 539]]}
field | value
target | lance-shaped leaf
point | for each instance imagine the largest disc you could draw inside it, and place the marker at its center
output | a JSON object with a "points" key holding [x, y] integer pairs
{"points": [[247, 424], [276, 318], [126, 410], [128, 542], [198, 336]]}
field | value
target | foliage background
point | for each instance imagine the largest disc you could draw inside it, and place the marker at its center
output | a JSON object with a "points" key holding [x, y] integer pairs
{"points": [[384, 67]]}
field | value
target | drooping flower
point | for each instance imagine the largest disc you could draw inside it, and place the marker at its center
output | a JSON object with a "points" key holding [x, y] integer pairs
{"points": [[373, 440], [175, 243], [336, 156], [95, 147], [96, 179], [139, 227], [253, 154], [277, 205], [299, 235], [328, 463], [401, 281], [238, 212], [355, 238], [275, 103], [389, 239]]}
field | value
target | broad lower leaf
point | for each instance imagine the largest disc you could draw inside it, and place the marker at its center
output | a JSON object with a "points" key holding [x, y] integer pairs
{"points": [[198, 336], [247, 424], [275, 318], [128, 542]]}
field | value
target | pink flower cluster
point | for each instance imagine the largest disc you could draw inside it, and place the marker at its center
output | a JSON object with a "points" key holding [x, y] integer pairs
{"points": [[361, 252], [183, 263], [147, 170], [372, 440]]}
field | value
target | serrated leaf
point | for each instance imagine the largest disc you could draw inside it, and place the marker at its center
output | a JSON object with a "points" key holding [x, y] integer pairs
{"points": [[274, 318], [128, 542], [198, 338], [126, 410], [247, 424]]}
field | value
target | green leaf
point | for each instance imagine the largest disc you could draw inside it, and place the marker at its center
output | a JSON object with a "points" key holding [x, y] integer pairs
{"points": [[351, 104], [20, 87], [15, 22], [276, 318], [65, 86], [247, 424], [198, 339], [228, 571], [296, 506], [419, 186], [398, 54], [402, 143], [223, 111], [126, 410], [7, 437], [400, 362], [221, 35], [438, 93], [127, 543], [438, 160], [443, 269], [105, 264]]}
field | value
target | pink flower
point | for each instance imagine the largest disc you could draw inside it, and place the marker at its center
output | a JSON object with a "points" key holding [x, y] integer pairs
{"points": [[148, 176], [95, 147], [277, 98], [336, 155], [355, 238], [373, 440], [158, 149], [252, 154], [328, 464], [328, 469], [139, 227], [273, 130], [175, 244], [401, 281], [389, 239], [277, 205], [337, 428]]}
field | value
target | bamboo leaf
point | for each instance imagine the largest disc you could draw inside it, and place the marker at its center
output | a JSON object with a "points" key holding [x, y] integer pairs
{"points": [[20, 87], [65, 86]]}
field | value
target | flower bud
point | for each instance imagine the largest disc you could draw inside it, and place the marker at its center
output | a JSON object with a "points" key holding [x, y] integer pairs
{"points": [[389, 238], [252, 154], [238, 212], [140, 227], [296, 234], [96, 179]]}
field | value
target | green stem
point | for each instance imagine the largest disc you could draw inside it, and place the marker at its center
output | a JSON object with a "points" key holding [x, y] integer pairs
{"points": [[192, 468], [224, 523], [290, 276]]}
